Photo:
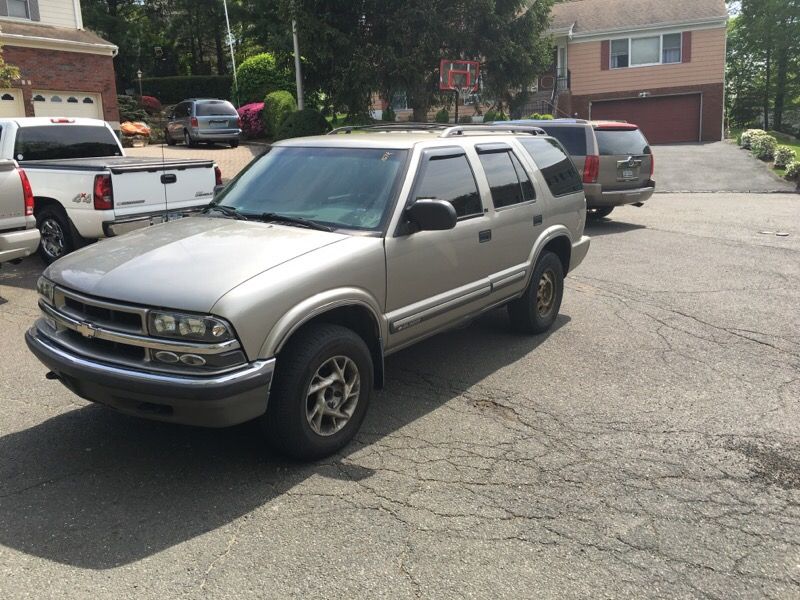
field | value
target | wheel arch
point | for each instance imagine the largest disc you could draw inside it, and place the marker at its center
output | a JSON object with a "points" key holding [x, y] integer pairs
{"points": [[556, 239]]}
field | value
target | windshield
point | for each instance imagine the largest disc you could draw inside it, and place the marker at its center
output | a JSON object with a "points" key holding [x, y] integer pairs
{"points": [[621, 141], [349, 188], [58, 142], [216, 109]]}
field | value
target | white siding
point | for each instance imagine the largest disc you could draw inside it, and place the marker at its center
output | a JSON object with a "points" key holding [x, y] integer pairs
{"points": [[60, 13]]}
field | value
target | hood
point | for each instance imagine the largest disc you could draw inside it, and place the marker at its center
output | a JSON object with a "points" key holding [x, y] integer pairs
{"points": [[188, 264]]}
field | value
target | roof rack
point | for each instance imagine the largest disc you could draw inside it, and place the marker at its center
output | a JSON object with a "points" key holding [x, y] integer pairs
{"points": [[511, 128], [447, 130], [389, 127]]}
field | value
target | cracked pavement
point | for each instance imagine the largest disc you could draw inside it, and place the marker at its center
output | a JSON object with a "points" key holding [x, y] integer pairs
{"points": [[649, 446]]}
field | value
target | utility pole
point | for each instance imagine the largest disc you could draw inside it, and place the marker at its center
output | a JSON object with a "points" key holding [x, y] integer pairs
{"points": [[233, 57], [298, 73]]}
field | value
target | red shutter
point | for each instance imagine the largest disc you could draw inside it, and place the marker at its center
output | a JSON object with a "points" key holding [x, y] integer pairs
{"points": [[605, 54], [686, 51]]}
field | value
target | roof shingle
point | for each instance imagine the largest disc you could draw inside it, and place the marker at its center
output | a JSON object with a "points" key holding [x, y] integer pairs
{"points": [[597, 16], [51, 33]]}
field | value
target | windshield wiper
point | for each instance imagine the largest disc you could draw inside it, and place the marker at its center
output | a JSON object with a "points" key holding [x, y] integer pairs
{"points": [[228, 211], [310, 224]]}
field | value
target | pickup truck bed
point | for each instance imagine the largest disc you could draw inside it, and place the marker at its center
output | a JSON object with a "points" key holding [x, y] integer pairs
{"points": [[118, 164]]}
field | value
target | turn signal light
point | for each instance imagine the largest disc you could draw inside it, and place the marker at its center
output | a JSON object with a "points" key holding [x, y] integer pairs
{"points": [[27, 193], [591, 169], [103, 193]]}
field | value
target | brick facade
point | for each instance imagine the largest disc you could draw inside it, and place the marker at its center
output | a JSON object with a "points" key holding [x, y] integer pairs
{"points": [[713, 102], [67, 72]]}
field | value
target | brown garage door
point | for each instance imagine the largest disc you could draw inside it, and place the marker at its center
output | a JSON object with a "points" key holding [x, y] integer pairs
{"points": [[664, 120]]}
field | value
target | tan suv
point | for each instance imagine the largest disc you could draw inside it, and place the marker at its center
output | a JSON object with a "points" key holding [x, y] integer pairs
{"points": [[614, 157], [322, 257]]}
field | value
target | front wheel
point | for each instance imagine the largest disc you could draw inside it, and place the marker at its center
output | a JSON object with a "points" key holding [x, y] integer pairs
{"points": [[169, 139], [56, 232], [320, 394], [537, 309]]}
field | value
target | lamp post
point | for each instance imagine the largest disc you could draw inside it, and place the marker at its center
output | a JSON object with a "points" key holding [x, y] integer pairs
{"points": [[139, 76], [298, 73], [233, 57]]}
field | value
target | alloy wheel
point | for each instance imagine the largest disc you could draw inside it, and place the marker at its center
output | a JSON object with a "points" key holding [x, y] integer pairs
{"points": [[53, 239], [333, 395]]}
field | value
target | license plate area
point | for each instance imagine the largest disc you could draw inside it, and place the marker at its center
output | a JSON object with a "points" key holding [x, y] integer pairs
{"points": [[218, 124], [629, 169]]}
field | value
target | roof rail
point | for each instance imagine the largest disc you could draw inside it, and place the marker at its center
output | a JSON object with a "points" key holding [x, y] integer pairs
{"points": [[389, 127], [511, 128]]}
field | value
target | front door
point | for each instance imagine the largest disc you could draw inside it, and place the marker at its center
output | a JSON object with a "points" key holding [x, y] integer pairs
{"points": [[438, 277]]}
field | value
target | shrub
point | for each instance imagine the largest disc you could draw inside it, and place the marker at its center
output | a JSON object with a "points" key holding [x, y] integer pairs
{"points": [[172, 90], [793, 170], [303, 122], [277, 106], [465, 119], [489, 116], [259, 75], [747, 137], [252, 116], [442, 116], [501, 117], [130, 110], [389, 115], [784, 155], [150, 104], [763, 146]]}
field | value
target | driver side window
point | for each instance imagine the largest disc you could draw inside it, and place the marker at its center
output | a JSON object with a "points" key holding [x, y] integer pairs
{"points": [[450, 178]]}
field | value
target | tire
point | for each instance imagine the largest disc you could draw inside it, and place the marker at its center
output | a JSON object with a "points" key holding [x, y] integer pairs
{"points": [[537, 309], [168, 138], [295, 422], [599, 213], [234, 143], [58, 238], [187, 140]]}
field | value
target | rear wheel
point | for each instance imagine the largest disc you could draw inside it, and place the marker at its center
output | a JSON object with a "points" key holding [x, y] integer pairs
{"points": [[56, 232], [537, 309], [187, 139], [234, 143], [320, 394], [599, 213]]}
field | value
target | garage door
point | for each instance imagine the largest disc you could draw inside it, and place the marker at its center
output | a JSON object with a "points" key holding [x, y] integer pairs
{"points": [[11, 104], [664, 120], [67, 104]]}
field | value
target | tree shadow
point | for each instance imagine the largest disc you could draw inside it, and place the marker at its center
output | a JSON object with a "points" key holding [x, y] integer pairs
{"points": [[95, 489], [607, 226]]}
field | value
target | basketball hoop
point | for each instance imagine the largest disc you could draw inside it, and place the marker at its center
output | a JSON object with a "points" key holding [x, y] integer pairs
{"points": [[460, 76]]}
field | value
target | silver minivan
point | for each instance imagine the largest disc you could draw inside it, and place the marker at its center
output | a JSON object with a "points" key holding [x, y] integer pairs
{"points": [[204, 120]]}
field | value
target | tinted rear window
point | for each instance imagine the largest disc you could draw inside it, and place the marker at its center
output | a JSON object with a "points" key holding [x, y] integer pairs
{"points": [[57, 142], [450, 178], [216, 109], [559, 172], [629, 141], [572, 138]]}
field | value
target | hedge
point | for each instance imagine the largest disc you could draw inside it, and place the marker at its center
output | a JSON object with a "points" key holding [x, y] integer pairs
{"points": [[277, 106], [302, 123], [259, 75], [171, 90]]}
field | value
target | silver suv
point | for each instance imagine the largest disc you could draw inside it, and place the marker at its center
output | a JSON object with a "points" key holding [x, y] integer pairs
{"points": [[203, 120], [321, 258]]}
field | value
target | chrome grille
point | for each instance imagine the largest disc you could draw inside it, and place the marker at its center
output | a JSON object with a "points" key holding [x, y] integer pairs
{"points": [[101, 313]]}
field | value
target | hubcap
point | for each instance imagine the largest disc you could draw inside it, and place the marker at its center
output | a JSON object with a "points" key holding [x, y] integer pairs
{"points": [[52, 238], [546, 294], [333, 395]]}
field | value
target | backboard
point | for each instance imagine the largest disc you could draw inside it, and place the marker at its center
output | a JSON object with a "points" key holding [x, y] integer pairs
{"points": [[459, 75]]}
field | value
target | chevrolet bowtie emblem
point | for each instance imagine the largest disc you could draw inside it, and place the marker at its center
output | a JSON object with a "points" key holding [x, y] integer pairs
{"points": [[87, 330]]}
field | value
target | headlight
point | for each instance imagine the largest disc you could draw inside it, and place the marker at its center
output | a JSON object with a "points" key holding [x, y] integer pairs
{"points": [[179, 326], [46, 289]]}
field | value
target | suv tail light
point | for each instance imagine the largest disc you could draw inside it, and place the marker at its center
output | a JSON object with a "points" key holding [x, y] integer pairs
{"points": [[27, 193], [103, 193], [591, 168], [217, 175], [239, 122], [652, 164], [195, 122]]}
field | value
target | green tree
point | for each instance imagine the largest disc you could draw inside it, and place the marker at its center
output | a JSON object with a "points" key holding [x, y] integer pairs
{"points": [[8, 73]]}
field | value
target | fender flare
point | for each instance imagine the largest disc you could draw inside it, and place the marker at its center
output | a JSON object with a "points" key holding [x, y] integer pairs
{"points": [[549, 234]]}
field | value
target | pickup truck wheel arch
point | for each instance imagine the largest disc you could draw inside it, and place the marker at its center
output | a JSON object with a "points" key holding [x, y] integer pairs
{"points": [[50, 212]]}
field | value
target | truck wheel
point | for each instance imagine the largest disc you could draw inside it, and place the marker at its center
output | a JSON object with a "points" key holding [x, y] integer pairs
{"points": [[170, 141], [599, 213], [320, 394], [56, 232], [537, 309], [187, 139]]}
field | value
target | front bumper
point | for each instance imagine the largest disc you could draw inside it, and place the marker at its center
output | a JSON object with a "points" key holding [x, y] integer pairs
{"points": [[579, 251], [128, 224], [621, 197], [18, 244], [214, 401]]}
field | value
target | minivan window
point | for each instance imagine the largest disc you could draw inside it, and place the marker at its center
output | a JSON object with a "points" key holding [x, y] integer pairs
{"points": [[572, 138], [450, 178], [350, 188], [558, 170], [504, 181], [57, 142], [215, 109], [621, 141]]}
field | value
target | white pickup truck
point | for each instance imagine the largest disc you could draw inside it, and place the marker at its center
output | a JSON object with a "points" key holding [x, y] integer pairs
{"points": [[85, 188], [18, 235]]}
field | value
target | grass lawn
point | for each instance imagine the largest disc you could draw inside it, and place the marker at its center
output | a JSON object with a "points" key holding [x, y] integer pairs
{"points": [[783, 139]]}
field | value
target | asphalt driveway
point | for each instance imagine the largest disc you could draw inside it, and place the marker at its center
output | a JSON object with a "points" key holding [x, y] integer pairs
{"points": [[713, 167]]}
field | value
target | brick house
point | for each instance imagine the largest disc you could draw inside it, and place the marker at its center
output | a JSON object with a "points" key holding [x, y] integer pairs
{"points": [[657, 63], [65, 70]]}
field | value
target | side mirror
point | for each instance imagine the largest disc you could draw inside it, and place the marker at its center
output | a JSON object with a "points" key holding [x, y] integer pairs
{"points": [[432, 215]]}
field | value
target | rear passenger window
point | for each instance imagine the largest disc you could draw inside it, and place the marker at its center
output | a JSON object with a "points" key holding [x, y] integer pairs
{"points": [[572, 138], [508, 181], [560, 174], [450, 178]]}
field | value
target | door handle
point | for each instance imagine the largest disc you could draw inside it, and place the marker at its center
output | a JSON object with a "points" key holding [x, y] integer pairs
{"points": [[169, 178], [485, 236]]}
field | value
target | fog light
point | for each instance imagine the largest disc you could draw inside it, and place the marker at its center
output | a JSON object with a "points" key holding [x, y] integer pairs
{"points": [[167, 357], [193, 360]]}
